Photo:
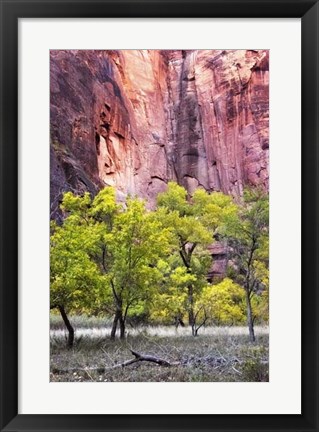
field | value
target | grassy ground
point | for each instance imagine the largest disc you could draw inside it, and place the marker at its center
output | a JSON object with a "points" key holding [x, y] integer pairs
{"points": [[218, 354], [79, 322]]}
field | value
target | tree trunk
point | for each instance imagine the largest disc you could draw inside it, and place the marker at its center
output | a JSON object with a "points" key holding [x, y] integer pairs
{"points": [[118, 318], [114, 325], [122, 327], [194, 330], [67, 325], [191, 318], [179, 321], [250, 321]]}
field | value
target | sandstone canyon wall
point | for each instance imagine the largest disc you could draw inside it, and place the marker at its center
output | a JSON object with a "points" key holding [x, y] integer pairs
{"points": [[136, 119]]}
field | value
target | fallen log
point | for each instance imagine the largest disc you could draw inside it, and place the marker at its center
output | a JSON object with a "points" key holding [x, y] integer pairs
{"points": [[152, 359], [138, 358]]}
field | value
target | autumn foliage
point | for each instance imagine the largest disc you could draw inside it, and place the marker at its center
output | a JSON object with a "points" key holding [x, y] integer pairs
{"points": [[125, 261]]}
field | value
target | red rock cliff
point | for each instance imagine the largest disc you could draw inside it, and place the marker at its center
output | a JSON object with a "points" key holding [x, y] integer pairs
{"points": [[138, 118]]}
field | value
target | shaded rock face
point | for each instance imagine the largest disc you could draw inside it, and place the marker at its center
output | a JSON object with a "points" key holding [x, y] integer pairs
{"points": [[219, 253], [136, 119]]}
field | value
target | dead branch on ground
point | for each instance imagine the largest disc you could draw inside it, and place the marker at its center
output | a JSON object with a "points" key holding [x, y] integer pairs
{"points": [[138, 358]]}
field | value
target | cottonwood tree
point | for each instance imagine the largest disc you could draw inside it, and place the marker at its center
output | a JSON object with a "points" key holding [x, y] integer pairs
{"points": [[136, 244], [193, 221], [79, 254], [170, 301], [75, 282], [123, 244], [248, 235]]}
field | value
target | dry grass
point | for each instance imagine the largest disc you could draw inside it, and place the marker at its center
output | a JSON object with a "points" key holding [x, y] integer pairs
{"points": [[160, 331], [79, 321], [217, 354]]}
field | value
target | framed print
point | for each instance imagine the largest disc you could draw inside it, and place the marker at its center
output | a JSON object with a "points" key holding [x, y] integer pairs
{"points": [[158, 215]]}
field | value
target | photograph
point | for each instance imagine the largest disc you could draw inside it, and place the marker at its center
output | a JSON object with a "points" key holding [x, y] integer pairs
{"points": [[159, 215]]}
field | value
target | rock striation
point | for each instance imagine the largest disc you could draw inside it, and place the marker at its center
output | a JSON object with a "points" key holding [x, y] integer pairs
{"points": [[138, 118]]}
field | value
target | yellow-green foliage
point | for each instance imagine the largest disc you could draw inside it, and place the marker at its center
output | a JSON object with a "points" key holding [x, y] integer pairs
{"points": [[247, 233], [193, 222], [171, 300], [223, 303], [105, 256], [136, 244], [75, 279], [260, 303]]}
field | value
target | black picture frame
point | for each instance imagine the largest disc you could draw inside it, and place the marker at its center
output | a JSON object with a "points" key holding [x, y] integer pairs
{"points": [[11, 11]]}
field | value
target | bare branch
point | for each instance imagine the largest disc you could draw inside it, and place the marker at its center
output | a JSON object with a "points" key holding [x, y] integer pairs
{"points": [[138, 358]]}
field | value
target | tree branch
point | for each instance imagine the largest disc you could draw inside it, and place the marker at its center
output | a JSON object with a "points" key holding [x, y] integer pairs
{"points": [[138, 358], [103, 258], [114, 292], [183, 258], [191, 249]]}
